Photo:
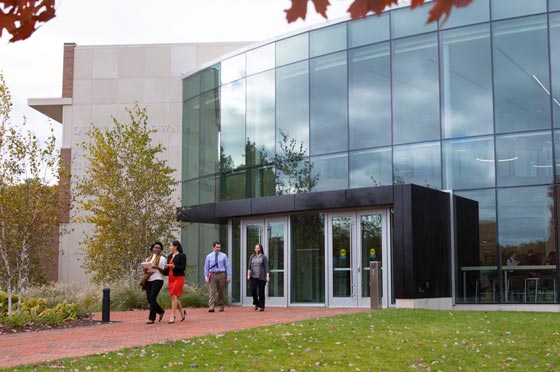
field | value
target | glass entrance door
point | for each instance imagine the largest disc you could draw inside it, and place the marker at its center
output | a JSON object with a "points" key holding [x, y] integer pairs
{"points": [[271, 233], [355, 239]]}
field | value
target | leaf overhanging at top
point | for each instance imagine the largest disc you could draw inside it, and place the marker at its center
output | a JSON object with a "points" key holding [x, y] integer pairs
{"points": [[21, 18], [361, 8]]}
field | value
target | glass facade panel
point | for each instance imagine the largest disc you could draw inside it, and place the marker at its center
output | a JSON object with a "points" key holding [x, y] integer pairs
{"points": [[260, 118], [292, 50], [418, 163], [232, 185], [415, 89], [371, 168], [236, 258], [191, 138], [555, 65], [307, 258], [327, 40], [207, 189], [478, 280], [191, 86], [557, 155], [331, 172], [328, 104], [369, 103], [477, 11], [292, 103], [276, 252], [515, 8], [210, 78], [233, 126], [209, 132], [553, 5], [260, 59], [468, 163], [406, 22], [261, 181], [524, 159], [190, 193], [294, 176], [233, 68], [521, 75], [466, 78], [526, 237], [372, 29]]}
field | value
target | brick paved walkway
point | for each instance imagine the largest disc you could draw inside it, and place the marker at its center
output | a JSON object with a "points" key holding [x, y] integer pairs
{"points": [[128, 329]]}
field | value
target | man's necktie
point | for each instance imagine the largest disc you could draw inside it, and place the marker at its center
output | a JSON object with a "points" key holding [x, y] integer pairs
{"points": [[216, 262]]}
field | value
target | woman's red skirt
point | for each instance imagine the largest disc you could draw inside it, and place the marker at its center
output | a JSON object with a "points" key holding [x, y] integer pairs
{"points": [[176, 284]]}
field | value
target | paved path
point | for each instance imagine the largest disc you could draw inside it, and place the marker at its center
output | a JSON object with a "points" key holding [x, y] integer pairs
{"points": [[128, 329]]}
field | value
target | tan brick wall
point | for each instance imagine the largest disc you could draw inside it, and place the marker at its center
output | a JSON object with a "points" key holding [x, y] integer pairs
{"points": [[68, 70]]}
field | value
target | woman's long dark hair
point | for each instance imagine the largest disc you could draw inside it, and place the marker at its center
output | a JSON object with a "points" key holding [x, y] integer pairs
{"points": [[253, 254], [177, 244]]}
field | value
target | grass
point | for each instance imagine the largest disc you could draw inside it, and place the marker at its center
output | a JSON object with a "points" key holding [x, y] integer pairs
{"points": [[387, 340]]}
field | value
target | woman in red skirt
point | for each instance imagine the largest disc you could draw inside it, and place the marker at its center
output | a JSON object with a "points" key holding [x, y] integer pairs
{"points": [[175, 268]]}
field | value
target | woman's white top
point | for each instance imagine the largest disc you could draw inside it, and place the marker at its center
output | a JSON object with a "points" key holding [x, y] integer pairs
{"points": [[157, 275]]}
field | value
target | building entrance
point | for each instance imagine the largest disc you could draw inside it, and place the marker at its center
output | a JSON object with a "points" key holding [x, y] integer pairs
{"points": [[353, 240]]}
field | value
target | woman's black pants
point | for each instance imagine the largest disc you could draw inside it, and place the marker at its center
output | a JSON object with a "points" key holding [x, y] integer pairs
{"points": [[257, 290], [152, 290]]}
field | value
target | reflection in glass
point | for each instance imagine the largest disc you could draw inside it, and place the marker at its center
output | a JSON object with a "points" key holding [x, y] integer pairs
{"points": [[554, 20], [371, 167], [260, 118], [232, 185], [368, 98], [209, 132], [261, 181], [328, 104], [191, 86], [466, 82], [327, 40], [331, 172], [190, 193], [233, 125], [293, 49], [468, 163], [521, 78], [191, 138], [557, 154], [524, 159], [233, 68], [515, 8], [210, 78], [292, 102], [276, 259], [342, 256], [553, 5], [235, 260], [405, 22], [477, 11], [526, 237], [293, 172], [260, 59], [415, 89], [207, 189], [368, 30], [419, 164], [307, 258], [371, 243]]}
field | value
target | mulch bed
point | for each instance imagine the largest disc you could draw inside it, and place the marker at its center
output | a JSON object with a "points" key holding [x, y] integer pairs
{"points": [[32, 327]]}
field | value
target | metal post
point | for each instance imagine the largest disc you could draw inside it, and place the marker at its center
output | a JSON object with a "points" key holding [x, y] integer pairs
{"points": [[106, 305], [374, 280]]}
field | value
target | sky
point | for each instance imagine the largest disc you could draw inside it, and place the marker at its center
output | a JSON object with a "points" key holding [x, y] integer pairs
{"points": [[33, 68]]}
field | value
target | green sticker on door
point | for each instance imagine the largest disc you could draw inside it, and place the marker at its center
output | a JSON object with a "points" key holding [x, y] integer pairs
{"points": [[372, 254]]}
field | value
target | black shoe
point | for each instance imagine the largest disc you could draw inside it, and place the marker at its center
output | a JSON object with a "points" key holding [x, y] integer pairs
{"points": [[171, 321], [184, 315], [221, 309], [210, 310], [150, 322], [160, 317], [256, 307], [261, 309]]}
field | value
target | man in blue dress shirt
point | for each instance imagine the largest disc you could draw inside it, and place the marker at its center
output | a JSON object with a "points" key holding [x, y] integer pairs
{"points": [[217, 272]]}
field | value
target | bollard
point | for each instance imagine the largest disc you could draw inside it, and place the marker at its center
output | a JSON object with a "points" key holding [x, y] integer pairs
{"points": [[374, 280], [106, 305]]}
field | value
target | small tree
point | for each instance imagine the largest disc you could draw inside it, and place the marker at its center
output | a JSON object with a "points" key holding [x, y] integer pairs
{"points": [[126, 193], [29, 208]]}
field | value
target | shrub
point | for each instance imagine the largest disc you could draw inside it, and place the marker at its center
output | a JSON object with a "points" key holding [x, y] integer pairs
{"points": [[17, 320]]}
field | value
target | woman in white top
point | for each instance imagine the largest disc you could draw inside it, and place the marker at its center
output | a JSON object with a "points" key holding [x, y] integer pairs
{"points": [[155, 281]]}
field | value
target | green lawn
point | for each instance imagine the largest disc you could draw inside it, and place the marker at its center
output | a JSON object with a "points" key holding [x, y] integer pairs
{"points": [[386, 340]]}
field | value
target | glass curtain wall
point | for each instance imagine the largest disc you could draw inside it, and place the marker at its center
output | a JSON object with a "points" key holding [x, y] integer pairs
{"points": [[469, 105]]}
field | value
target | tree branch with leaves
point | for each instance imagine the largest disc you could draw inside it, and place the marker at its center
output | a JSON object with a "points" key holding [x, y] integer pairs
{"points": [[126, 194]]}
